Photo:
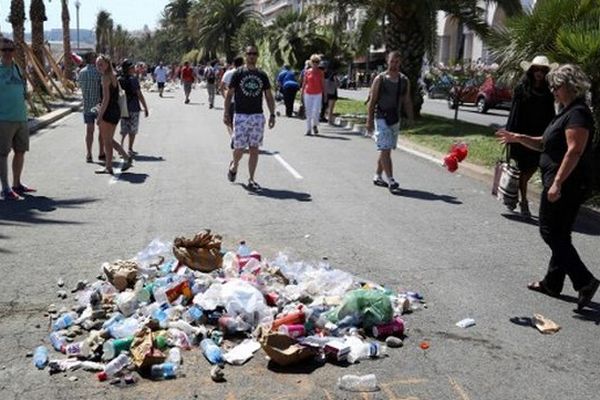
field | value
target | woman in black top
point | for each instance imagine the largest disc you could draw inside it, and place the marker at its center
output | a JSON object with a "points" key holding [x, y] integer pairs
{"points": [[531, 112], [565, 164], [109, 115]]}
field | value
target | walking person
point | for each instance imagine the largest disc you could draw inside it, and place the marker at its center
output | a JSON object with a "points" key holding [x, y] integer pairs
{"points": [[331, 89], [313, 90], [531, 111], [225, 82], [90, 82], [390, 95], [14, 133], [130, 125], [565, 162], [109, 115], [187, 78], [210, 74], [160, 74], [247, 87]]}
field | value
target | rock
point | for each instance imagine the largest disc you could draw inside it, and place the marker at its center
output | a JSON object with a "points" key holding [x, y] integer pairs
{"points": [[80, 285], [63, 310], [216, 374], [62, 294], [73, 378], [38, 326], [52, 309], [393, 342], [29, 354], [60, 282]]}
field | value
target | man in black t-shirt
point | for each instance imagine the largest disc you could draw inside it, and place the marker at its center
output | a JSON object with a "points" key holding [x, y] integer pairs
{"points": [[248, 84]]}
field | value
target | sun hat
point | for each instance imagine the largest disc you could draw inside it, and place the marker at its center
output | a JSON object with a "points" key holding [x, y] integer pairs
{"points": [[538, 61]]}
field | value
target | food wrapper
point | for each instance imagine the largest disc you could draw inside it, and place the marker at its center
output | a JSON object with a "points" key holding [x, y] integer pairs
{"points": [[201, 253]]}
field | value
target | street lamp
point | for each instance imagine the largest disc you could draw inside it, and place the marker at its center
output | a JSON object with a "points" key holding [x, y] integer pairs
{"points": [[77, 5]]}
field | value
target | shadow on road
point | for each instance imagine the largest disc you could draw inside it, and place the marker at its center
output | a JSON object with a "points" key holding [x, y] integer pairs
{"points": [[134, 178], [582, 225], [144, 158], [423, 195], [29, 210], [278, 194], [304, 368], [519, 218], [321, 136], [588, 315]]}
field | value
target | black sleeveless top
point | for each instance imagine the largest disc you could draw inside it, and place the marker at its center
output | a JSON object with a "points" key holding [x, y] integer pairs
{"points": [[112, 115]]}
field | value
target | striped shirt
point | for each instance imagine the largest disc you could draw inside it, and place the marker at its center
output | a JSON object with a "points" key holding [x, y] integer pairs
{"points": [[90, 82]]}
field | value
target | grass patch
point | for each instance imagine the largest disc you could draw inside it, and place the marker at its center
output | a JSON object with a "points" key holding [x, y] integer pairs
{"points": [[348, 106]]}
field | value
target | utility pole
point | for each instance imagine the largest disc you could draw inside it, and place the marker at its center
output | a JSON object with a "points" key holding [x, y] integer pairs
{"points": [[77, 5]]}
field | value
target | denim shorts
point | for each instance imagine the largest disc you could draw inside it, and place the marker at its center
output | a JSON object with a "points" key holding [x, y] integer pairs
{"points": [[89, 117], [386, 137]]}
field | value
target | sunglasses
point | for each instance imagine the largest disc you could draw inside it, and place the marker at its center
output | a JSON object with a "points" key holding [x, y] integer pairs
{"points": [[8, 49], [252, 53]]}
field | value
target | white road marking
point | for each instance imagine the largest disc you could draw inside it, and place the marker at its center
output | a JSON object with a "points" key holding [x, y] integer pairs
{"points": [[287, 166], [421, 155]]}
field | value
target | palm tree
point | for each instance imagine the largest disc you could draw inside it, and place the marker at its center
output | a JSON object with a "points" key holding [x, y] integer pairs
{"points": [[122, 44], [37, 15], [411, 27], [175, 16], [66, 29], [17, 20], [104, 32], [216, 23]]}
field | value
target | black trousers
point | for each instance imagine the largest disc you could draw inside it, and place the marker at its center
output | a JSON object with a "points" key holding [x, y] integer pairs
{"points": [[289, 95], [556, 225]]}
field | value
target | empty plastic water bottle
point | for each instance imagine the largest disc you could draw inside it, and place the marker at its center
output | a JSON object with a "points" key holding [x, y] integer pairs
{"points": [[113, 367], [58, 342], [114, 347], [193, 314], [40, 357], [356, 383], [116, 317], [161, 315], [166, 370], [243, 250], [125, 328], [64, 321], [211, 351], [174, 356]]}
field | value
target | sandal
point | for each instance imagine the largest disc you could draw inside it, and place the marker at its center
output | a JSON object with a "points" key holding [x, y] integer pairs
{"points": [[231, 175], [89, 159], [103, 171], [253, 186], [541, 288], [127, 164]]}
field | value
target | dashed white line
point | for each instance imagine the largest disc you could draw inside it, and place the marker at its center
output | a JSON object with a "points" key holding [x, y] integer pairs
{"points": [[287, 166]]}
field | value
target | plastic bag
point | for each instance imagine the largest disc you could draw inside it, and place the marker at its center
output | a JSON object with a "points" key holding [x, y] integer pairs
{"points": [[372, 307]]}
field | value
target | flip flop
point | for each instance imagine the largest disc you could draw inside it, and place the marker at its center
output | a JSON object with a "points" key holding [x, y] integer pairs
{"points": [[103, 171], [540, 288]]}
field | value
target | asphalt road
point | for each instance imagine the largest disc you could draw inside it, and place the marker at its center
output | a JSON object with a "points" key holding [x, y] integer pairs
{"points": [[445, 237], [439, 107]]}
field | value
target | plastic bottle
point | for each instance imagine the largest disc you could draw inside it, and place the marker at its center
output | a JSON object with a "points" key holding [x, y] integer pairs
{"points": [[193, 314], [113, 347], [113, 367], [365, 350], [64, 321], [40, 357], [58, 342], [115, 318], [183, 326], [211, 351], [243, 250], [161, 315], [174, 356], [165, 370], [125, 328], [356, 383]]}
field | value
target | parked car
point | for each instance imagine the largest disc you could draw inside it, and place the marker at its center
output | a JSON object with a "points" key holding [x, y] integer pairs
{"points": [[440, 88], [484, 95]]}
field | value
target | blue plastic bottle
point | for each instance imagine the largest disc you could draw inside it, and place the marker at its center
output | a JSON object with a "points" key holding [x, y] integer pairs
{"points": [[193, 314], [165, 370], [243, 250], [64, 321], [211, 351], [40, 357], [58, 342]]}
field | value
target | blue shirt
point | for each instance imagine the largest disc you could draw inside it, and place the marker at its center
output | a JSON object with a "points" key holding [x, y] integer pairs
{"points": [[90, 82], [12, 94]]}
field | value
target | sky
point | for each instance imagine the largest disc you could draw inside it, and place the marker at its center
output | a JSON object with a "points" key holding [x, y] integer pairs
{"points": [[131, 14]]}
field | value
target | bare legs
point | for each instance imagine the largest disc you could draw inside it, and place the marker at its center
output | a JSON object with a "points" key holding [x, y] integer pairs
{"points": [[252, 161], [107, 131], [89, 140], [384, 163]]}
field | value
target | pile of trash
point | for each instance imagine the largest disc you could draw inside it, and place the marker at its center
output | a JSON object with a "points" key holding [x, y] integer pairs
{"points": [[142, 314]]}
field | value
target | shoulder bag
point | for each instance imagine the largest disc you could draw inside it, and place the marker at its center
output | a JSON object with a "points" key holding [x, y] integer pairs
{"points": [[506, 181]]}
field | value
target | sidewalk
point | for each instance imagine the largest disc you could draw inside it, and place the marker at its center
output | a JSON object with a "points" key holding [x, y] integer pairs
{"points": [[43, 121]]}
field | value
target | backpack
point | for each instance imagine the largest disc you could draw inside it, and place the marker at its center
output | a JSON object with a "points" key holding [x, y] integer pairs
{"points": [[210, 75]]}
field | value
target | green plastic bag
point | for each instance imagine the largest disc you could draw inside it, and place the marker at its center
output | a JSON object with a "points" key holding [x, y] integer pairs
{"points": [[373, 307]]}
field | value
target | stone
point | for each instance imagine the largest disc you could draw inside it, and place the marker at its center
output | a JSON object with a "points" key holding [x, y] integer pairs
{"points": [[393, 342], [73, 378], [60, 282]]}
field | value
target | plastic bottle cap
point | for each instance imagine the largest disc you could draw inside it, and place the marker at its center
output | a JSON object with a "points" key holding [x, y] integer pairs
{"points": [[102, 376]]}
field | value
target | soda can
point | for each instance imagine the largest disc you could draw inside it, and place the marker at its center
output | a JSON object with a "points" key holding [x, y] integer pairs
{"points": [[392, 328]]}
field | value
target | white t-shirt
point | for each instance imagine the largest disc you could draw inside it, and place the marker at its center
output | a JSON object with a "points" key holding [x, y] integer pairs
{"points": [[160, 73], [226, 79]]}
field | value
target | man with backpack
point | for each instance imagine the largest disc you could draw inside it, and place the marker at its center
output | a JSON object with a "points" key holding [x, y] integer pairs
{"points": [[210, 74], [389, 98], [14, 133]]}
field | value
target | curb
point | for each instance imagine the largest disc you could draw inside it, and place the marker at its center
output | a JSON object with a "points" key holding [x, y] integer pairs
{"points": [[53, 116]]}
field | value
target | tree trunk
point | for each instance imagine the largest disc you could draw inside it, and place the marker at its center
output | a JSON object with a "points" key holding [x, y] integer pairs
{"points": [[17, 20], [37, 15], [67, 39], [404, 35]]}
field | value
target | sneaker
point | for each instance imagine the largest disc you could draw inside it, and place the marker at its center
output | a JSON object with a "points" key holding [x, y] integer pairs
{"points": [[308, 133], [22, 189], [586, 294], [394, 188], [8, 194], [231, 175], [127, 164], [315, 130], [187, 101], [525, 209], [380, 182], [253, 186]]}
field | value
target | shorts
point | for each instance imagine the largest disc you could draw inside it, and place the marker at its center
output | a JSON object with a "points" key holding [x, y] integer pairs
{"points": [[161, 85], [89, 117], [248, 130], [386, 137], [130, 126], [13, 136], [187, 87]]}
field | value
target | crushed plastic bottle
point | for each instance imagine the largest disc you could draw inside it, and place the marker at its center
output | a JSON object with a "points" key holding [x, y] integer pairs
{"points": [[211, 351], [113, 367], [40, 357], [193, 314], [64, 321], [58, 342], [166, 370], [124, 328], [360, 350], [356, 383], [174, 356]]}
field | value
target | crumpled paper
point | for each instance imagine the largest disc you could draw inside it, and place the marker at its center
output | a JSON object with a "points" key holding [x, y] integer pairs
{"points": [[545, 325], [121, 273], [201, 253]]}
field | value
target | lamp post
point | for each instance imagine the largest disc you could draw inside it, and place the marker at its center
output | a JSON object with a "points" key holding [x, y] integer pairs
{"points": [[77, 5]]}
